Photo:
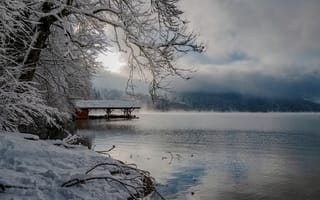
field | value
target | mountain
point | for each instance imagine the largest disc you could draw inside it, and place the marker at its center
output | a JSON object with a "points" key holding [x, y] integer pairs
{"points": [[245, 103]]}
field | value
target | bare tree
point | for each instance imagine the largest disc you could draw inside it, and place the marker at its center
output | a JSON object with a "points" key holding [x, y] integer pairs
{"points": [[56, 42]]}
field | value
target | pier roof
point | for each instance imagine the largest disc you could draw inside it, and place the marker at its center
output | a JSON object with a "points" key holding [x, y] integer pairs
{"points": [[105, 104]]}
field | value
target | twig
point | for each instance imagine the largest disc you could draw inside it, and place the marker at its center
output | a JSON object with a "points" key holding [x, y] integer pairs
{"points": [[158, 193], [171, 157], [104, 153], [3, 187], [67, 146], [102, 164], [120, 166], [113, 146]]}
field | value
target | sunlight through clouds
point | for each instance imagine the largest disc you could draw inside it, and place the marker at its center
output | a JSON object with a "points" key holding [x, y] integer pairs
{"points": [[112, 62]]}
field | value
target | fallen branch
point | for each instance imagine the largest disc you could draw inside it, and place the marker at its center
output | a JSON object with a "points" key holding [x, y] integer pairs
{"points": [[139, 185], [77, 181]]}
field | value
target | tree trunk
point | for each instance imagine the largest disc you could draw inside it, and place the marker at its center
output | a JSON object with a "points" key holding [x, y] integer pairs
{"points": [[42, 32]]}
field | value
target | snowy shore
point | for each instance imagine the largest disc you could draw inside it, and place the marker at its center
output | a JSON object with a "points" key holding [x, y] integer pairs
{"points": [[38, 169]]}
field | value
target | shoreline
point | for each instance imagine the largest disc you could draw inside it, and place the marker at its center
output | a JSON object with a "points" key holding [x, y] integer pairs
{"points": [[53, 169]]}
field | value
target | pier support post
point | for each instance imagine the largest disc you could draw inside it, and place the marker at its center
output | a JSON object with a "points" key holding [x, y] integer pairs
{"points": [[108, 112]]}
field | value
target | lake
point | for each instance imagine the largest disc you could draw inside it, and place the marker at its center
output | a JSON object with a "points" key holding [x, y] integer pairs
{"points": [[220, 156]]}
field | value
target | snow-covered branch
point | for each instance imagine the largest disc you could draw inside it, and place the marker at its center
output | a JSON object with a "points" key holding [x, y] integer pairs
{"points": [[56, 44]]}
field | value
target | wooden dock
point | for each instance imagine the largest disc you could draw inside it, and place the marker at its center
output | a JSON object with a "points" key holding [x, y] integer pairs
{"points": [[84, 106]]}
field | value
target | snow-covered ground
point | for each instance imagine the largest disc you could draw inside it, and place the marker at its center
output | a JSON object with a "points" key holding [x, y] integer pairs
{"points": [[37, 169]]}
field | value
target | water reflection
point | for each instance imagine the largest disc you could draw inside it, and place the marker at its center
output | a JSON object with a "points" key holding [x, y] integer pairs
{"points": [[219, 156], [182, 181]]}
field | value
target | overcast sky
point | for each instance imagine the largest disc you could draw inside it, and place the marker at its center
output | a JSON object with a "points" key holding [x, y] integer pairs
{"points": [[262, 47]]}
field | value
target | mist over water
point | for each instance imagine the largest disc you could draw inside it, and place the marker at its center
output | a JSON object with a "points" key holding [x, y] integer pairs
{"points": [[219, 155]]}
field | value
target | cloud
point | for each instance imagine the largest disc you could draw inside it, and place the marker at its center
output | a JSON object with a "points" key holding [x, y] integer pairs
{"points": [[262, 47], [253, 82], [273, 31]]}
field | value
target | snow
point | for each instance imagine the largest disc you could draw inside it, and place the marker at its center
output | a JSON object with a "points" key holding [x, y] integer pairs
{"points": [[105, 104], [37, 169]]}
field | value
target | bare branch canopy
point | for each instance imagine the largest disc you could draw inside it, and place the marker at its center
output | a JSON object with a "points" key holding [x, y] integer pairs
{"points": [[47, 41]]}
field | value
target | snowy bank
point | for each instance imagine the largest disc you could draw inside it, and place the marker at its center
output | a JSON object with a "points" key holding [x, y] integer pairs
{"points": [[37, 169]]}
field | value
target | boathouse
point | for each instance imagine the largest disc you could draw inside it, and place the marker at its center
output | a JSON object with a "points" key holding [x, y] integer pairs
{"points": [[84, 106]]}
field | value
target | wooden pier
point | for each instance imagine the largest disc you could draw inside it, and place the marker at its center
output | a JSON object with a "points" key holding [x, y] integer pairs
{"points": [[84, 106]]}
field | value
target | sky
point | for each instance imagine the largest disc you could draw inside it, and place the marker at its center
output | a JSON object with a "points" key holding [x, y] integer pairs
{"points": [[267, 48]]}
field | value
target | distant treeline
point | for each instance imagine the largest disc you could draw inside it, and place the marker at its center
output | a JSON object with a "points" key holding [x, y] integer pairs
{"points": [[222, 102], [245, 103]]}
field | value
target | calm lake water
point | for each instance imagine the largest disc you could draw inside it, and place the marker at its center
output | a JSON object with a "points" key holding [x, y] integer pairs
{"points": [[219, 156]]}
